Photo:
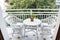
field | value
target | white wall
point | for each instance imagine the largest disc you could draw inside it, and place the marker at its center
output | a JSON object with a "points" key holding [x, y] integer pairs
{"points": [[2, 22], [2, 5], [57, 2]]}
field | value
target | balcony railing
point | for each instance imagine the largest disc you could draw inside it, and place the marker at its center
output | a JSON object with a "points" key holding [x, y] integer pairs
{"points": [[43, 13]]}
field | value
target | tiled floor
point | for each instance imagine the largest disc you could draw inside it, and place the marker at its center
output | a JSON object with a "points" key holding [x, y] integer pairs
{"points": [[57, 38]]}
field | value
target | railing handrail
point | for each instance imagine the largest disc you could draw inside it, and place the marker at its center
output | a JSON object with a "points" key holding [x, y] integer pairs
{"points": [[33, 12], [32, 9]]}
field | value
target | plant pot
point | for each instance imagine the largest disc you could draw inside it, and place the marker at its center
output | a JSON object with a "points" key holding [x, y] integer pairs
{"points": [[32, 19]]}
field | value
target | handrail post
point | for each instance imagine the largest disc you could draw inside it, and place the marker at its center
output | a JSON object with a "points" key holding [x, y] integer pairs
{"points": [[31, 11], [59, 16]]}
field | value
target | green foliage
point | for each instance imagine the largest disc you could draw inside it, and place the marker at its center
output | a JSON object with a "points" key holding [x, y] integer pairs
{"points": [[21, 3], [32, 4], [45, 4], [33, 16]]}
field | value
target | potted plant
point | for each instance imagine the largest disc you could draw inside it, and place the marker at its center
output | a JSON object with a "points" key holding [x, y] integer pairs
{"points": [[32, 17]]}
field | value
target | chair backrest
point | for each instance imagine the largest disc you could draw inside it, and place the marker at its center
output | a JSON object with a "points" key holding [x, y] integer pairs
{"points": [[13, 19], [50, 20]]}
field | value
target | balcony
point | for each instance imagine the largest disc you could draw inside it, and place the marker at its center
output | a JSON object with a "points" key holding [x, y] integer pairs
{"points": [[49, 16]]}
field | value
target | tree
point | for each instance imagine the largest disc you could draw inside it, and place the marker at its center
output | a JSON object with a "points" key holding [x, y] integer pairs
{"points": [[20, 3], [45, 4], [32, 4]]}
